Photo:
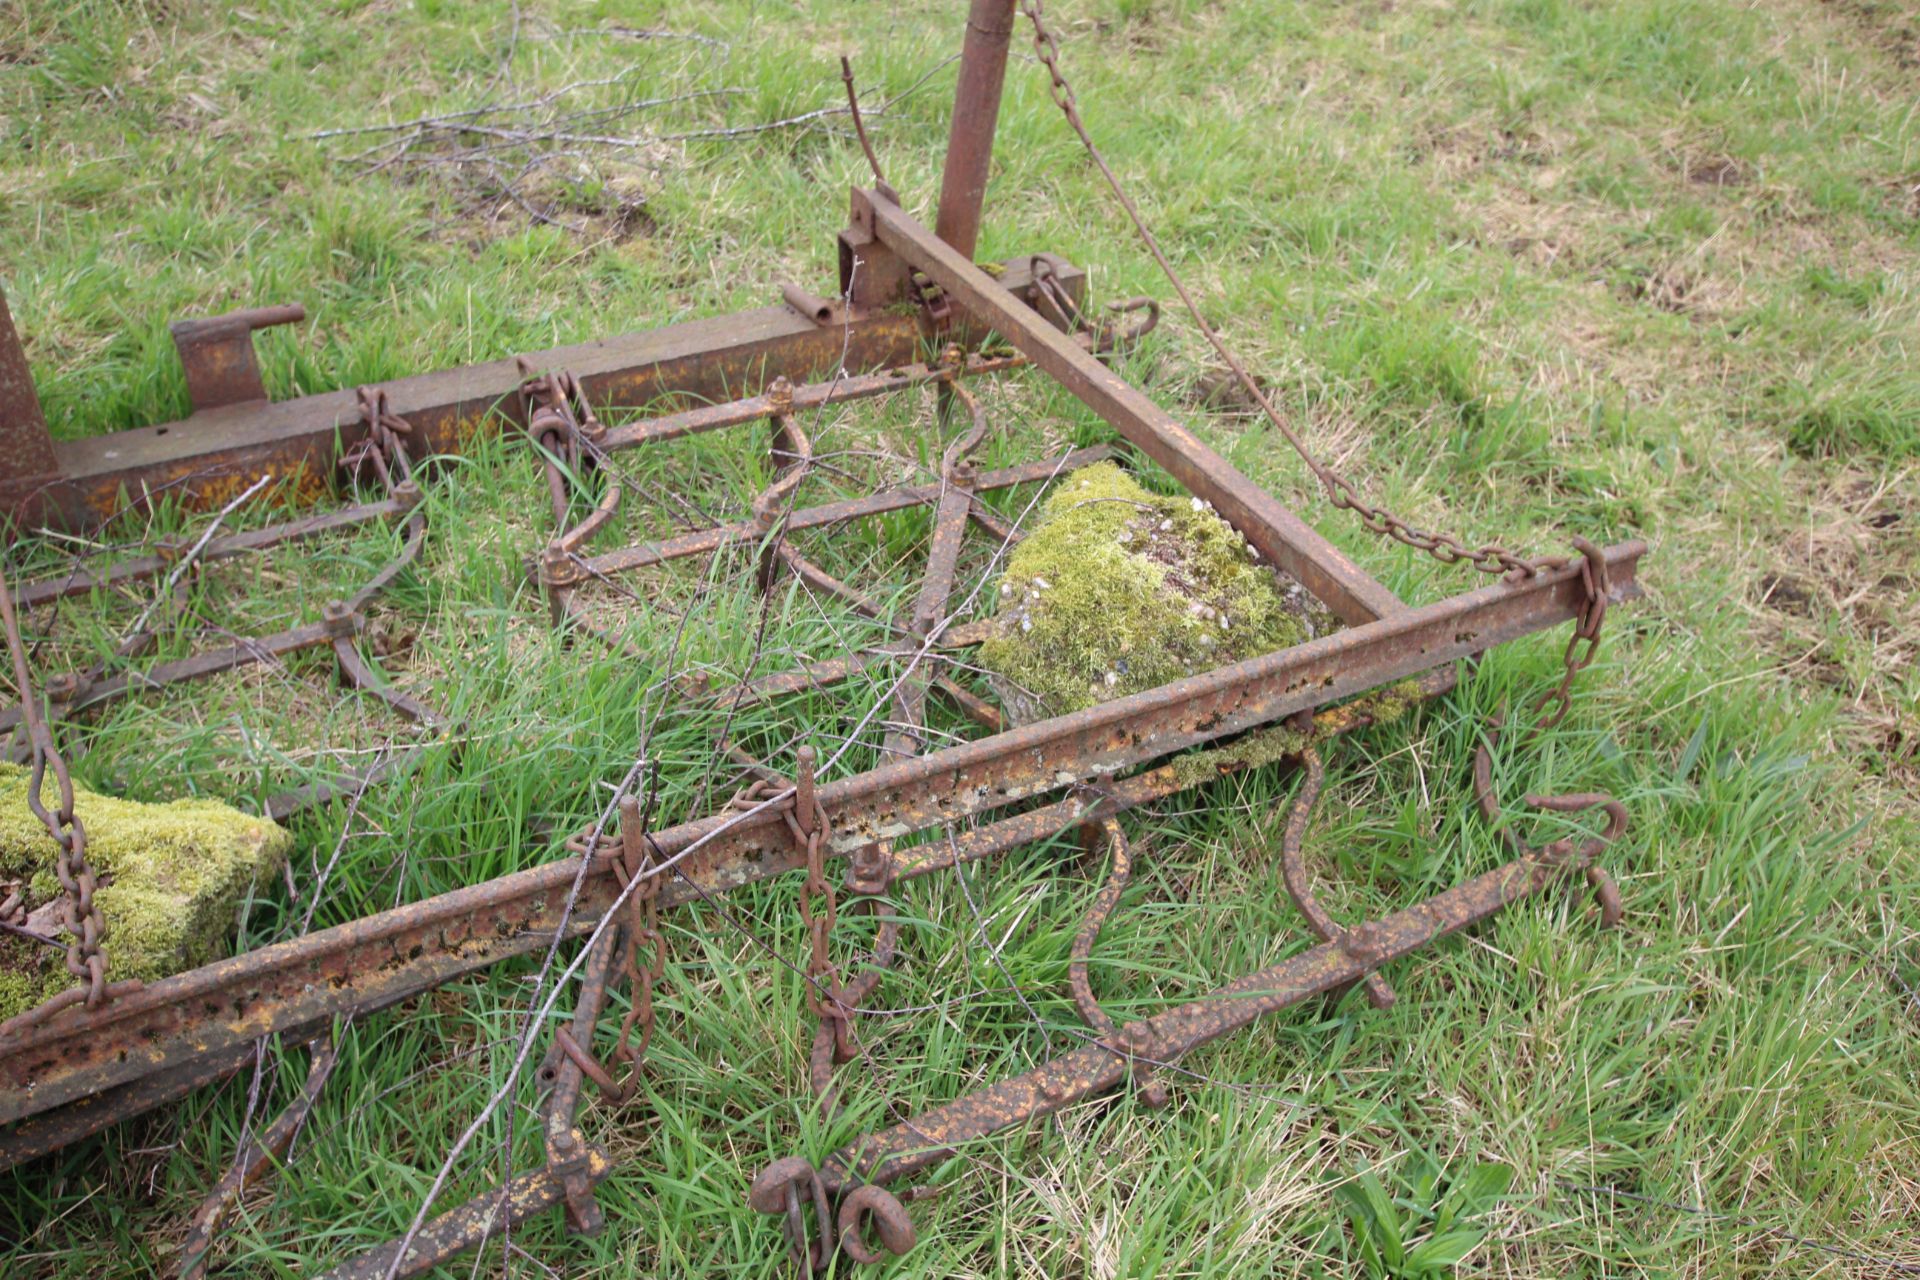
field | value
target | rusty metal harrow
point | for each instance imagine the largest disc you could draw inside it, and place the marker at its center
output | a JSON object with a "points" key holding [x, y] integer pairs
{"points": [[113, 1050]]}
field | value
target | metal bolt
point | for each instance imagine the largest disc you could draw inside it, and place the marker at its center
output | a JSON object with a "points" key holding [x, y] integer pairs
{"points": [[803, 801], [780, 395]]}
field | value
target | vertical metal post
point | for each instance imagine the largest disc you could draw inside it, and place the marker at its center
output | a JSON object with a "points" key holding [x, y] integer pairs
{"points": [[976, 110], [26, 450]]}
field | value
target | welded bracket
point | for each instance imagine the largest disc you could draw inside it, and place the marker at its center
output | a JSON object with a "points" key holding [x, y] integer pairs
{"points": [[217, 354]]}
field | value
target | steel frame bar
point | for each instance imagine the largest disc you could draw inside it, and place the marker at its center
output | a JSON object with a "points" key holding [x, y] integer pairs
{"points": [[375, 962], [82, 580], [342, 621], [907, 734], [448, 1235], [971, 845], [1104, 1063], [212, 662], [207, 459], [1276, 532], [71, 1073], [269, 1147], [807, 397]]}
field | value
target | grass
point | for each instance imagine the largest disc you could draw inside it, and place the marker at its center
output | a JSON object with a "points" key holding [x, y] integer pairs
{"points": [[1528, 267]]}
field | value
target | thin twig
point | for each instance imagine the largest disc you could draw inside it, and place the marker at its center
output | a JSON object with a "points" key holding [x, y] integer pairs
{"points": [[21, 931], [193, 553], [765, 126], [448, 120], [643, 33]]}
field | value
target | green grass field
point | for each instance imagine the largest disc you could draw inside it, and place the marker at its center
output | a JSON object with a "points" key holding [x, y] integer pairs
{"points": [[1529, 268]]}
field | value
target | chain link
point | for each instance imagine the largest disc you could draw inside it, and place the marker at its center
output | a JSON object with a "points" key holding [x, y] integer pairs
{"points": [[86, 927], [13, 903], [643, 936], [559, 417], [1489, 558], [643, 960], [1340, 491], [870, 874], [819, 903], [383, 451]]}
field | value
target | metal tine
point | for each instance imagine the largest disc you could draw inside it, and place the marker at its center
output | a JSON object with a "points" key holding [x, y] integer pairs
{"points": [[922, 1142], [1293, 865], [1119, 874], [702, 541], [943, 561], [562, 425], [270, 1147], [383, 452], [80, 580]]}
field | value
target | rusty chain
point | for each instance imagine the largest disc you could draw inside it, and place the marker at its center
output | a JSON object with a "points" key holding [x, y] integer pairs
{"points": [[383, 451], [779, 1189], [643, 960], [86, 926], [1489, 558], [807, 823], [869, 874], [808, 826], [1584, 644], [1448, 549], [13, 903]]}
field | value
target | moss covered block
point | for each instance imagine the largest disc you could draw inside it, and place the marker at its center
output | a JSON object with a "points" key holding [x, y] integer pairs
{"points": [[173, 877], [1117, 590]]}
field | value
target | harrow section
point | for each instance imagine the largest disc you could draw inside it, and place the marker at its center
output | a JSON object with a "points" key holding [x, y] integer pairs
{"points": [[905, 289]]}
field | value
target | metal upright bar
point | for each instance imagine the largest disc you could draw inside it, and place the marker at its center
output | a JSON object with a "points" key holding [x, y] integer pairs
{"points": [[26, 449], [976, 112]]}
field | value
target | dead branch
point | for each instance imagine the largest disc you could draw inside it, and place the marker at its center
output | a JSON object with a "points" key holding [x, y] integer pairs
{"points": [[449, 120]]}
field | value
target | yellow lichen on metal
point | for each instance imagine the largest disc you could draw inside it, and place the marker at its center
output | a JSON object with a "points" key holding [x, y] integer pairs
{"points": [[1283, 742], [173, 878]]}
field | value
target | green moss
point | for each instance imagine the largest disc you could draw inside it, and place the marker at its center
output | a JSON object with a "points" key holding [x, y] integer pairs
{"points": [[173, 877], [1268, 746], [1118, 590], [1392, 702], [1262, 746]]}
